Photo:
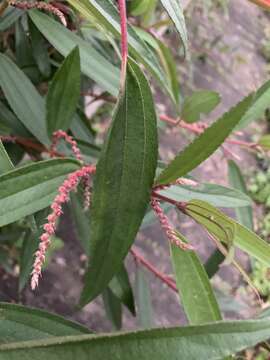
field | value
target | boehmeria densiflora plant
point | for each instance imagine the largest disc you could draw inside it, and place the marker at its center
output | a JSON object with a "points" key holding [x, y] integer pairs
{"points": [[72, 182], [84, 174], [122, 182]]}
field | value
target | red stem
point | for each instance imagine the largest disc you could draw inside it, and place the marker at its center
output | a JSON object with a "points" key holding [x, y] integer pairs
{"points": [[199, 129], [179, 204], [124, 40], [154, 270]]}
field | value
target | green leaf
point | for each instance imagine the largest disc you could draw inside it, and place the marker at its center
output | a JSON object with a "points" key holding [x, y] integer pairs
{"points": [[23, 50], [217, 195], [251, 243], [40, 51], [106, 15], [200, 102], [64, 93], [93, 64], [205, 144], [144, 303], [265, 142], [213, 263], [169, 64], [228, 230], [113, 308], [20, 323], [244, 214], [194, 288], [175, 11], [123, 182], [166, 58], [81, 130], [23, 98], [9, 120], [261, 101], [121, 288], [30, 188], [10, 16], [5, 162], [81, 219], [138, 7], [213, 342]]}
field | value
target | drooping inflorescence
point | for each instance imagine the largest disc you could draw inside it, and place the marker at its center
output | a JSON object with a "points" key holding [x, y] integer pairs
{"points": [[70, 184], [167, 227], [41, 5]]}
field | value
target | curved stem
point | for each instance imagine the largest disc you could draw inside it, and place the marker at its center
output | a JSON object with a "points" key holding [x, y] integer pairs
{"points": [[165, 279], [124, 41]]}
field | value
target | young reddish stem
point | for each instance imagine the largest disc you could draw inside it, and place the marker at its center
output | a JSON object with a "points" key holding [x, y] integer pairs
{"points": [[29, 144], [179, 204], [124, 41], [199, 129], [155, 271]]}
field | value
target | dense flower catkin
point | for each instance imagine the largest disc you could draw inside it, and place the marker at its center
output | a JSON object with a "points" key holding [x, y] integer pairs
{"points": [[70, 184], [166, 226]]}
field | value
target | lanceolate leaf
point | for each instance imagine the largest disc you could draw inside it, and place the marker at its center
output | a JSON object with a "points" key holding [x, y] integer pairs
{"points": [[8, 119], [28, 189], [9, 17], [244, 214], [81, 219], [213, 263], [23, 98], [93, 64], [122, 183], [228, 230], [204, 145], [64, 93], [265, 141], [213, 342], [106, 14], [40, 51], [175, 11], [217, 195], [113, 308], [260, 103], [121, 288], [5, 162], [194, 288], [19, 323], [200, 102], [170, 66], [251, 243], [143, 300]]}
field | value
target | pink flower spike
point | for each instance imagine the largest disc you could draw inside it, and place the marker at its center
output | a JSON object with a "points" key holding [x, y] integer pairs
{"points": [[60, 134], [166, 226], [70, 184], [41, 5]]}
